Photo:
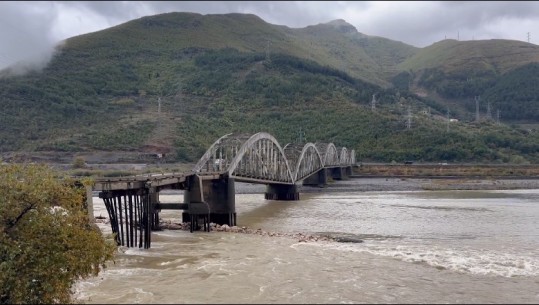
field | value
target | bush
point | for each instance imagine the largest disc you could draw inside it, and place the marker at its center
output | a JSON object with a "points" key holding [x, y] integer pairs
{"points": [[79, 162], [47, 242]]}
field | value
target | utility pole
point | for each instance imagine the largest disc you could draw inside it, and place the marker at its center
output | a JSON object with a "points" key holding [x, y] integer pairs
{"points": [[477, 108], [373, 102], [498, 116], [409, 121], [448, 120], [301, 136], [268, 51], [158, 112]]}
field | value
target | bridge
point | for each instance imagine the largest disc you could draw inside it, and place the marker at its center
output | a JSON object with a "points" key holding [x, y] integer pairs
{"points": [[209, 194]]}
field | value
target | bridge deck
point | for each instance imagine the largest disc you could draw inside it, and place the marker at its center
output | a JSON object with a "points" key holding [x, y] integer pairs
{"points": [[171, 179], [143, 181]]}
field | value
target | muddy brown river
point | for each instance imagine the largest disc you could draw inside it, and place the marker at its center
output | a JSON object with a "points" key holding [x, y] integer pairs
{"points": [[418, 247]]}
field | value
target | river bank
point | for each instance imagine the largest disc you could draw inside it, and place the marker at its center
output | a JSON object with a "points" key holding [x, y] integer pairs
{"points": [[385, 184]]}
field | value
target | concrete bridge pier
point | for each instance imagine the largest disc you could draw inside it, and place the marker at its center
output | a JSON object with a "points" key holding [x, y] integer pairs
{"points": [[341, 173], [153, 197], [320, 178], [210, 201], [336, 173], [281, 192], [348, 171], [89, 203]]}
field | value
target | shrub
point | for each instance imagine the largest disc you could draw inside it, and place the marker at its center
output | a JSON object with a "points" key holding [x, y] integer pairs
{"points": [[47, 242]]}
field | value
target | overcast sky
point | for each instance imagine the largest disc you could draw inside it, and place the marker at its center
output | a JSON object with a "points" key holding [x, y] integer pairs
{"points": [[30, 30]]}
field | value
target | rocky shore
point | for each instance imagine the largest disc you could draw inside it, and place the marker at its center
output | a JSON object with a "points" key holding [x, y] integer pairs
{"points": [[300, 237]]}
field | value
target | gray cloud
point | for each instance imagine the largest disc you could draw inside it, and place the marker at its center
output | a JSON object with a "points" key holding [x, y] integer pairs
{"points": [[29, 31], [25, 45]]}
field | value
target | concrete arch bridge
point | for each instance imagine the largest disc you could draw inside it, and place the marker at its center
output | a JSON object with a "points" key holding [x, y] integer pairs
{"points": [[133, 202]]}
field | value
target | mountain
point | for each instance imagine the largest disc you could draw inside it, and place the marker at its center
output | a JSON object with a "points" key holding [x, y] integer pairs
{"points": [[174, 83], [499, 73]]}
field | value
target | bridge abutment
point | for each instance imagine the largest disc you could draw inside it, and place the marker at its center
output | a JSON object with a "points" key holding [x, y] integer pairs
{"points": [[210, 200], [320, 178], [281, 192]]}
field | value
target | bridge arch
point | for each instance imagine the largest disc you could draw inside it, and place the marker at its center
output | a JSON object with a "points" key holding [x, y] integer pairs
{"points": [[211, 160], [309, 162], [261, 157], [343, 156], [257, 156], [328, 152]]}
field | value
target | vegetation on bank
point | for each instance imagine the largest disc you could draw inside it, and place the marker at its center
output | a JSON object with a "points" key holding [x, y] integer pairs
{"points": [[445, 169], [47, 242]]}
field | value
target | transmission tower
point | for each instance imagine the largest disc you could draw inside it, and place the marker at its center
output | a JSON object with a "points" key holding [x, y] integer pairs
{"points": [[528, 37], [498, 116], [477, 108], [373, 102], [489, 116], [409, 121]]}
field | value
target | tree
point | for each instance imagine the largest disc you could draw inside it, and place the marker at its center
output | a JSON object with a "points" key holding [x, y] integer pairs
{"points": [[47, 242], [79, 162]]}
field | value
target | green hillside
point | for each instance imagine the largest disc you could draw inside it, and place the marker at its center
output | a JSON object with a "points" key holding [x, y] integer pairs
{"points": [[217, 74], [500, 73], [451, 56]]}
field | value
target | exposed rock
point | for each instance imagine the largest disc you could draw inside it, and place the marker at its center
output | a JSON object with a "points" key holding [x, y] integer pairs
{"points": [[347, 239]]}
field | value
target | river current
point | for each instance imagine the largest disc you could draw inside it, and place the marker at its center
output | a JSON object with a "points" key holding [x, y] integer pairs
{"points": [[418, 247]]}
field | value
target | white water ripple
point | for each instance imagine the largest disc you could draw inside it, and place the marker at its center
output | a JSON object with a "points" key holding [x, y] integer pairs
{"points": [[487, 262]]}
